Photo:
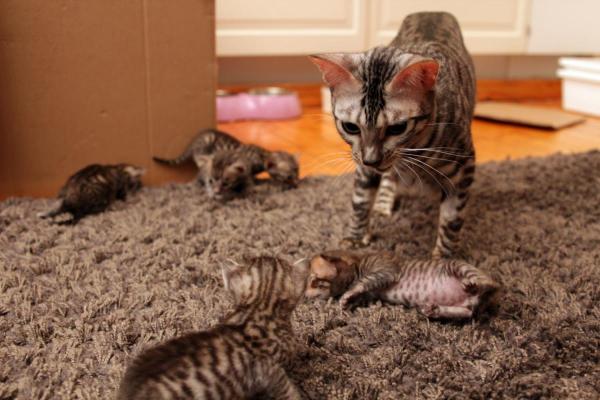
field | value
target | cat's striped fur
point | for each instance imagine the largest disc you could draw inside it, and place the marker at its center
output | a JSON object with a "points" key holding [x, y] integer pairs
{"points": [[93, 188], [244, 357], [403, 117], [439, 288]]}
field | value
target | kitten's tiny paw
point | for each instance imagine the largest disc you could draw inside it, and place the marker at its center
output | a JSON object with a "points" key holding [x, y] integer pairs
{"points": [[438, 253], [383, 210], [430, 310], [354, 243], [347, 299], [470, 287]]}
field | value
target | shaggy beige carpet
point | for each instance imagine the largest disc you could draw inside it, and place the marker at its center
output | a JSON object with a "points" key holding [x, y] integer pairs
{"points": [[76, 303]]}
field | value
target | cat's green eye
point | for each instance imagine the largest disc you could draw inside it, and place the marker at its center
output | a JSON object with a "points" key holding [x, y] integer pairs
{"points": [[350, 128], [397, 129]]}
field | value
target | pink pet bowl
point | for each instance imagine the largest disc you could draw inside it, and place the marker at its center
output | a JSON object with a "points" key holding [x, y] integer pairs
{"points": [[264, 103]]}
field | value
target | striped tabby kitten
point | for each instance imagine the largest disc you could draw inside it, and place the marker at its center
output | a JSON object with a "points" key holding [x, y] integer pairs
{"points": [[202, 148], [241, 358], [92, 189], [406, 122], [281, 166], [437, 288]]}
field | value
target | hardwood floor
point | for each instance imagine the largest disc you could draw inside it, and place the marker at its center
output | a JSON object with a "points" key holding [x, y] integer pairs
{"points": [[321, 151]]}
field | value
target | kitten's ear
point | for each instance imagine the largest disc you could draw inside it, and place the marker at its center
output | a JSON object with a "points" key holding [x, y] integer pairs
{"points": [[323, 268], [421, 76], [228, 269], [334, 67]]}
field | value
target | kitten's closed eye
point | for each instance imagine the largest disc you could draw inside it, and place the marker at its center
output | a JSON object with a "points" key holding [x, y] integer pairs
{"points": [[321, 284]]}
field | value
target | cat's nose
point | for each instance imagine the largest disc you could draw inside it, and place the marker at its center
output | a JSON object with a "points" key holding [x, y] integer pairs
{"points": [[371, 157]]}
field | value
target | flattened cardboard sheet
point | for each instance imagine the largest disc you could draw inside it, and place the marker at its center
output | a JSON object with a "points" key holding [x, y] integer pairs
{"points": [[523, 114]]}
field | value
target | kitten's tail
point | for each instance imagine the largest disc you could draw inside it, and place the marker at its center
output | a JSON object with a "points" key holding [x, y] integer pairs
{"points": [[59, 209], [184, 157]]}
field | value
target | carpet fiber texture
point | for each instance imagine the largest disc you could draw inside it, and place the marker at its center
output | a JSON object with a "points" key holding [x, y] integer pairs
{"points": [[76, 303]]}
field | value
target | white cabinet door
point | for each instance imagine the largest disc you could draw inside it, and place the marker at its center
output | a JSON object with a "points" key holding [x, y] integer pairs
{"points": [[489, 26], [280, 27], [565, 27]]}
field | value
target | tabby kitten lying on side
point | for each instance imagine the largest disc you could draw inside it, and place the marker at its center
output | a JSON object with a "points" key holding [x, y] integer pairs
{"points": [[406, 109], [239, 359], [92, 189], [437, 288], [281, 166]]}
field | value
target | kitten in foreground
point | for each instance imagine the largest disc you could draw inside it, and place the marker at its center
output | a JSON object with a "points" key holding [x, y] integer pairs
{"points": [[244, 357], [437, 288], [282, 167], [92, 189]]}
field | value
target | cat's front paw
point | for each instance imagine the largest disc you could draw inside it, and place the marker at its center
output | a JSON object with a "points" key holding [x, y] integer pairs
{"points": [[384, 209], [355, 243], [347, 299]]}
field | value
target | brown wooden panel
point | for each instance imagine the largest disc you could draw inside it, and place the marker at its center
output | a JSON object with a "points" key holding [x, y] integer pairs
{"points": [[99, 81]]}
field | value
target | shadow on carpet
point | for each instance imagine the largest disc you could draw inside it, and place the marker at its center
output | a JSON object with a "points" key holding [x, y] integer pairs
{"points": [[76, 303]]}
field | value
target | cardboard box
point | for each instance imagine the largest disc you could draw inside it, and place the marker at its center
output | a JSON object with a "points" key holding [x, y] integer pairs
{"points": [[101, 81]]}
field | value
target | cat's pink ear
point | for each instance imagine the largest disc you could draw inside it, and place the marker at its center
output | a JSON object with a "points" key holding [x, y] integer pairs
{"points": [[421, 76], [335, 73]]}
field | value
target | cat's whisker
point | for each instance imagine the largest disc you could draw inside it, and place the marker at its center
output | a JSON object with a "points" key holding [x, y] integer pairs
{"points": [[335, 161], [412, 162], [422, 166], [401, 153], [404, 163], [400, 175], [439, 150], [438, 171]]}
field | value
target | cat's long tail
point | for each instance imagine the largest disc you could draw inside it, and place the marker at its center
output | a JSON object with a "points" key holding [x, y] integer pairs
{"points": [[184, 157]]}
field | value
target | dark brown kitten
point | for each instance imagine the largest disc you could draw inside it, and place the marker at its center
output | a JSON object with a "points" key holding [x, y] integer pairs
{"points": [[437, 288], [242, 358], [92, 189]]}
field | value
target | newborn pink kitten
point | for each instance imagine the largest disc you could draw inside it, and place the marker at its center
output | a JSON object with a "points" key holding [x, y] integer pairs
{"points": [[437, 288]]}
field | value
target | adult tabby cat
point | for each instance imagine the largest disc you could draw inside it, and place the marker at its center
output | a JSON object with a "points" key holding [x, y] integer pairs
{"points": [[241, 358], [401, 117]]}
